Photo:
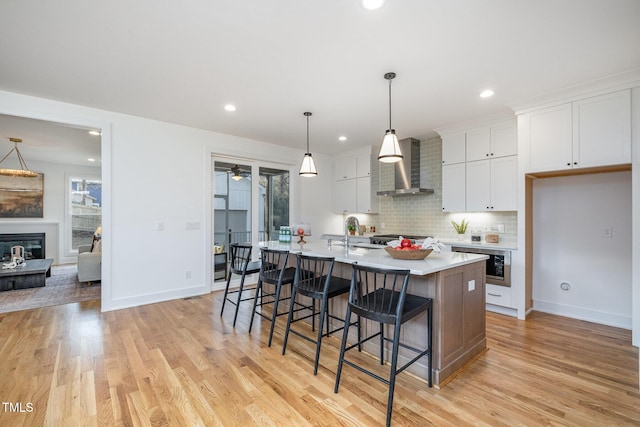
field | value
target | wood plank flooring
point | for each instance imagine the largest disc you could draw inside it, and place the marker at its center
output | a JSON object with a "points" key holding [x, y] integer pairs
{"points": [[180, 364]]}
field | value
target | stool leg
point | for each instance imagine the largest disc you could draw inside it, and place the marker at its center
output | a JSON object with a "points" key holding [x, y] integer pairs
{"points": [[345, 333], [255, 302], [394, 364], [381, 344], [323, 310], [235, 316], [289, 318], [275, 313], [224, 300]]}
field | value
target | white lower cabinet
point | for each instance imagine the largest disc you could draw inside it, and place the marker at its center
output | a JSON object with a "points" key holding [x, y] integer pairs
{"points": [[498, 295]]}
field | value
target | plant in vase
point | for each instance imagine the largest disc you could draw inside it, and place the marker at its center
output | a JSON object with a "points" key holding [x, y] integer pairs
{"points": [[352, 229], [460, 228]]}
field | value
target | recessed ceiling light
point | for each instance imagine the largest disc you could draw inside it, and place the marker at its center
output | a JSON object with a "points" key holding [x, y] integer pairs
{"points": [[230, 107], [486, 93], [91, 160], [94, 132], [342, 138], [372, 4]]}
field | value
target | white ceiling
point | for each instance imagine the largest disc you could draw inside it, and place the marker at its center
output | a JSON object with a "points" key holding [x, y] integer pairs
{"points": [[183, 61]]}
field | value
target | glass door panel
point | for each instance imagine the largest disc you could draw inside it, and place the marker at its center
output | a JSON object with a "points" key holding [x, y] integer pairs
{"points": [[273, 202], [231, 206]]}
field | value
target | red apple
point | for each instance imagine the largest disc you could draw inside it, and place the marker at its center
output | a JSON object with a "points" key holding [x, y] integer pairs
{"points": [[300, 231]]}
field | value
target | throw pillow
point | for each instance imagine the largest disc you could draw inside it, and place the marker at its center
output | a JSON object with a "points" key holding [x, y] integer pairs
{"points": [[97, 246]]}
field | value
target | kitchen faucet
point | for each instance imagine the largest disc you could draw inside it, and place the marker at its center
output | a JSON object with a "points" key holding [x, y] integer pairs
{"points": [[351, 220]]}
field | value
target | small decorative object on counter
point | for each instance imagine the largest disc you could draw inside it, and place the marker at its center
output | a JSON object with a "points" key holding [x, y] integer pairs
{"points": [[352, 229], [285, 234], [404, 249], [492, 236], [476, 236], [460, 228]]}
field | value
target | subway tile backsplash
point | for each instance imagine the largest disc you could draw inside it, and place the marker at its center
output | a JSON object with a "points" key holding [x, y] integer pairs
{"points": [[422, 214]]}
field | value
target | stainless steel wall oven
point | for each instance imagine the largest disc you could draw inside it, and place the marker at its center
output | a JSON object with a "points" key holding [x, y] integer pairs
{"points": [[498, 264]]}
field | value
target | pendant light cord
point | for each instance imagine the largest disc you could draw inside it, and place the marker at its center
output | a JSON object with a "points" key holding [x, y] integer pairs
{"points": [[389, 103], [307, 134]]}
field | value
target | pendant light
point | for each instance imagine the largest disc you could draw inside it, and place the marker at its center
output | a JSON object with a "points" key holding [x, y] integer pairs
{"points": [[24, 170], [390, 149], [308, 167]]}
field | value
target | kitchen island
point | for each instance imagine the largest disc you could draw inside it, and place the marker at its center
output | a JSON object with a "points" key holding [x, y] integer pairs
{"points": [[455, 281]]}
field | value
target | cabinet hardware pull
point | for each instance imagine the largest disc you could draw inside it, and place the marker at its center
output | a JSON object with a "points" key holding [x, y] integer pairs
{"points": [[568, 164], [575, 163], [493, 295]]}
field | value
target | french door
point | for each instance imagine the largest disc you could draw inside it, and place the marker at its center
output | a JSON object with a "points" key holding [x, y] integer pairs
{"points": [[250, 201]]}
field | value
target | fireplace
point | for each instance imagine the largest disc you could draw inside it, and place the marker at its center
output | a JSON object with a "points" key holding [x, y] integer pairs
{"points": [[33, 243]]}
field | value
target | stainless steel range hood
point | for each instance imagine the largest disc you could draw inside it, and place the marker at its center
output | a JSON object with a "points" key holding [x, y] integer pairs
{"points": [[408, 171]]}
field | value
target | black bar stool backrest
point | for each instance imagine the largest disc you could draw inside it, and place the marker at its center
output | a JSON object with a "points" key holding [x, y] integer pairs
{"points": [[274, 262], [313, 275], [378, 294], [240, 257]]}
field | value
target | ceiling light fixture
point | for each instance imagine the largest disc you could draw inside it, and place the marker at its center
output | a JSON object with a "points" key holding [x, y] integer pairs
{"points": [[94, 132], [486, 93], [236, 173], [390, 149], [372, 4], [308, 167], [342, 138], [230, 107], [24, 170]]}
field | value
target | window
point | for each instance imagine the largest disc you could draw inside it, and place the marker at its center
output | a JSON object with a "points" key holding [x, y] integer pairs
{"points": [[85, 197]]}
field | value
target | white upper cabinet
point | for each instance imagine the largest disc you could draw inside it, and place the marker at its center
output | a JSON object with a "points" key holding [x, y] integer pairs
{"points": [[591, 132], [345, 167], [453, 188], [504, 139], [453, 148], [498, 140], [491, 184], [363, 165], [353, 189], [478, 143], [602, 130]]}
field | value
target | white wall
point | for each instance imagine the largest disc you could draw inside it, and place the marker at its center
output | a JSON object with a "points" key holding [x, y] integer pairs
{"points": [[570, 215], [161, 172]]}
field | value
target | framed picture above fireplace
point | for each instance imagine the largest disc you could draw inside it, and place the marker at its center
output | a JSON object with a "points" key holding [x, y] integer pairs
{"points": [[21, 197]]}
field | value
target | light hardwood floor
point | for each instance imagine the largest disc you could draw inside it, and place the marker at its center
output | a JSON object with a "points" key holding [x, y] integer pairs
{"points": [[180, 364]]}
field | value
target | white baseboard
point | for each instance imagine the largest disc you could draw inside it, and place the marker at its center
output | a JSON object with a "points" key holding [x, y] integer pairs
{"points": [[136, 301], [502, 310], [581, 313]]}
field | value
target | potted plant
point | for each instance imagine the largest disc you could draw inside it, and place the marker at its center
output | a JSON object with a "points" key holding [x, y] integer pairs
{"points": [[352, 229], [460, 228]]}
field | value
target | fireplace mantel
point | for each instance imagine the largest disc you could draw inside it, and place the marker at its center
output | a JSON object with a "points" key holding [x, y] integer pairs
{"points": [[49, 228]]}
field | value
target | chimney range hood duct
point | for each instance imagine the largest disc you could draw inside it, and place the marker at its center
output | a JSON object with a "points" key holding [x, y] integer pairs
{"points": [[408, 171]]}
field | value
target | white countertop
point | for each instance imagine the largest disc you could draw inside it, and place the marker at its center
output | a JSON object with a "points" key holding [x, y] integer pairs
{"points": [[379, 257]]}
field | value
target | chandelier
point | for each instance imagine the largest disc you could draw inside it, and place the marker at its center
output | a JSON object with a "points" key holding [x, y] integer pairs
{"points": [[24, 170]]}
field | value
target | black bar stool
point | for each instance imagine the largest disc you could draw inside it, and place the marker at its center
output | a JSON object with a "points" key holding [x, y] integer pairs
{"points": [[241, 265], [274, 272], [314, 280], [381, 295]]}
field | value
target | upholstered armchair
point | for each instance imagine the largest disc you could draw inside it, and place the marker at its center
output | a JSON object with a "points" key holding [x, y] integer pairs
{"points": [[89, 264]]}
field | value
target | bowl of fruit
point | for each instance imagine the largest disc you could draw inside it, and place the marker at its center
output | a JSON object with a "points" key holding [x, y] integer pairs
{"points": [[408, 250]]}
